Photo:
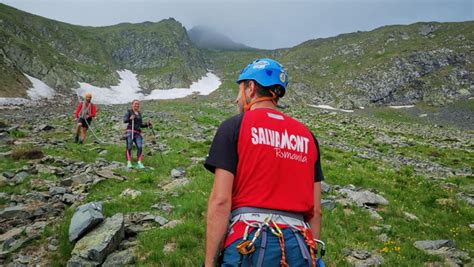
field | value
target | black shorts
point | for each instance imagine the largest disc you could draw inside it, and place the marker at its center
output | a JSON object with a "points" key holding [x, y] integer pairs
{"points": [[82, 121]]}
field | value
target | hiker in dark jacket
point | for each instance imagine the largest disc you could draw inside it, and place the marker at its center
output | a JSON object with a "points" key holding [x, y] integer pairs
{"points": [[135, 123]]}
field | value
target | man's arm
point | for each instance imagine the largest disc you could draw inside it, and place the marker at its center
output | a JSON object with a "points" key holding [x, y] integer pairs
{"points": [[218, 211], [315, 222]]}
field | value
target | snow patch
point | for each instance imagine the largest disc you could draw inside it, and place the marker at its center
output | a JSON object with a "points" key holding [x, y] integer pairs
{"points": [[128, 89], [203, 86], [330, 108], [400, 107], [39, 90]]}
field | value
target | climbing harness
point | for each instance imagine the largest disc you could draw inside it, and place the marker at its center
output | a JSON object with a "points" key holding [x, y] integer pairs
{"points": [[262, 219]]}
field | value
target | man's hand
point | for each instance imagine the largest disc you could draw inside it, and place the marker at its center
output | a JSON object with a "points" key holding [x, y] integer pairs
{"points": [[132, 117]]}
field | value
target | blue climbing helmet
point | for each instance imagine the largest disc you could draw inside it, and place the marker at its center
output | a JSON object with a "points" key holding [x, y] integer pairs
{"points": [[266, 72]]}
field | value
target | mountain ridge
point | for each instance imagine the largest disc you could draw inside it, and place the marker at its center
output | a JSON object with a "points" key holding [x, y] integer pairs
{"points": [[428, 62]]}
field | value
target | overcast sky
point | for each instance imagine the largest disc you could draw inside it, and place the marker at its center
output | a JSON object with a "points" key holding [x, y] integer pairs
{"points": [[258, 23]]}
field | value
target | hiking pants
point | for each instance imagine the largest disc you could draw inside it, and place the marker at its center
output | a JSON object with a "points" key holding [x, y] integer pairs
{"points": [[268, 251], [137, 138]]}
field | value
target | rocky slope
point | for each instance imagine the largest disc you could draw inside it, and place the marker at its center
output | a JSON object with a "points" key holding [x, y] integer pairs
{"points": [[61, 54], [393, 65], [396, 192]]}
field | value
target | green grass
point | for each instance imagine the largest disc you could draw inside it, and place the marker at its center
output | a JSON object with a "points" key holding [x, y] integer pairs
{"points": [[179, 121]]}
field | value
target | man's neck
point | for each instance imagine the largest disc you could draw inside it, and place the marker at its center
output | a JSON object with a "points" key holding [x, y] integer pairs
{"points": [[263, 104]]}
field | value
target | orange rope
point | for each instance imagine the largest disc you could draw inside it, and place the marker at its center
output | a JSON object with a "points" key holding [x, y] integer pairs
{"points": [[283, 262], [312, 246]]}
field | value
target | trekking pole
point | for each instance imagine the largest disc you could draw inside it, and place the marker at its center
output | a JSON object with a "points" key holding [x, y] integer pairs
{"points": [[133, 129], [161, 155]]}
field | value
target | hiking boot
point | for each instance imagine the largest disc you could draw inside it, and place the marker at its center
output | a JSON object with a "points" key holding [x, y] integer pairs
{"points": [[76, 139], [129, 165], [140, 166]]}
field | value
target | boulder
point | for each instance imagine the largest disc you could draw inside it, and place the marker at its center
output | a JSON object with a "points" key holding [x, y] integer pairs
{"points": [[328, 204], [85, 218], [176, 184], [45, 127], [18, 212], [445, 249], [363, 197], [57, 190], [362, 258], [95, 246], [433, 244], [19, 177], [120, 258], [179, 172]]}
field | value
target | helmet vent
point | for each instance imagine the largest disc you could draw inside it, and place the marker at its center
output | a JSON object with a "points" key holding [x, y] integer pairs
{"points": [[269, 72]]}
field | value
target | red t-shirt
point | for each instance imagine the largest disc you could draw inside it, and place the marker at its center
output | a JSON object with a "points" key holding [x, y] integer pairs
{"points": [[275, 161], [90, 110]]}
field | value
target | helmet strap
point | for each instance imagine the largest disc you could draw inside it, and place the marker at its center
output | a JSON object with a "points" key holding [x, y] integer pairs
{"points": [[260, 99]]}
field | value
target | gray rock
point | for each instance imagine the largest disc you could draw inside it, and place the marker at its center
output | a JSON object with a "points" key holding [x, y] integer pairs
{"points": [[8, 175], [56, 190], [45, 127], [375, 215], [469, 198], [410, 216], [69, 198], [100, 242], [325, 187], [161, 220], [120, 258], [362, 258], [81, 179], [444, 248], [77, 261], [84, 219], [166, 207], [176, 184], [172, 224], [109, 174], [362, 198], [19, 177], [328, 204], [433, 244], [20, 212], [178, 172]]}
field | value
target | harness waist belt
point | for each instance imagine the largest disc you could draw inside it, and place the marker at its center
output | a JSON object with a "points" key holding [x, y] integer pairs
{"points": [[278, 219], [242, 210]]}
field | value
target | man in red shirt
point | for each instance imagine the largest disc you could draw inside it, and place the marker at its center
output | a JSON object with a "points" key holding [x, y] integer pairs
{"points": [[85, 111], [267, 179]]}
